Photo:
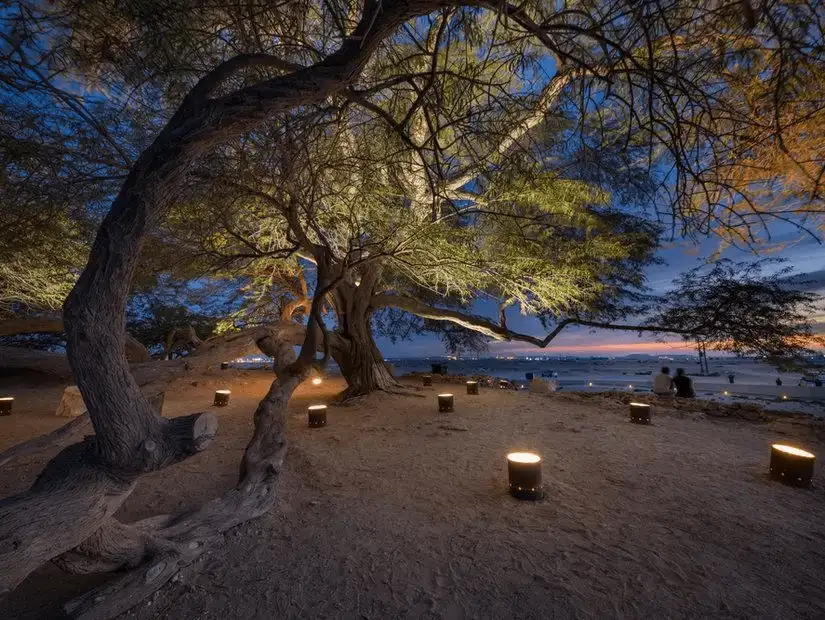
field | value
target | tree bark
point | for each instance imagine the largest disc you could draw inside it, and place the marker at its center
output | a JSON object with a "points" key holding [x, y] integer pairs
{"points": [[87, 482], [354, 350]]}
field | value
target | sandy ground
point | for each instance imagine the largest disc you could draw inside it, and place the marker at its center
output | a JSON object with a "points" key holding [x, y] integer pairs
{"points": [[396, 511]]}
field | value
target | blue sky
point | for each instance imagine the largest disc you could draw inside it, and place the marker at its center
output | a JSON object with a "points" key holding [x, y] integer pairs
{"points": [[803, 253]]}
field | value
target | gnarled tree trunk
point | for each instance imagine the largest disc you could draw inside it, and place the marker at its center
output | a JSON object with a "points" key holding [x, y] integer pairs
{"points": [[74, 498], [354, 349]]}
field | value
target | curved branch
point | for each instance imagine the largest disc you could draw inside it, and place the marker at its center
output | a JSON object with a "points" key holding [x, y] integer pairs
{"points": [[499, 332]]}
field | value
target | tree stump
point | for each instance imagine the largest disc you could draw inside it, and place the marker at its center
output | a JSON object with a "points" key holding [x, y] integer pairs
{"points": [[446, 403], [792, 466], [524, 474], [71, 403], [640, 413], [317, 416]]}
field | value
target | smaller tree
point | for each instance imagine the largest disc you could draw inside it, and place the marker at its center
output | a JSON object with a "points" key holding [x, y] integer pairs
{"points": [[743, 308]]}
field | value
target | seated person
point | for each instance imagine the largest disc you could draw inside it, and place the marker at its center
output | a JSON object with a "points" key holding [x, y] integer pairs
{"points": [[663, 383], [683, 384]]}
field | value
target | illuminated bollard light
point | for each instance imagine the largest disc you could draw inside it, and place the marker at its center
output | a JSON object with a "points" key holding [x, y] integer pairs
{"points": [[317, 416], [640, 413], [224, 365], [317, 381], [791, 465], [446, 403], [221, 398], [6, 403], [503, 384], [427, 380], [524, 474], [472, 387]]}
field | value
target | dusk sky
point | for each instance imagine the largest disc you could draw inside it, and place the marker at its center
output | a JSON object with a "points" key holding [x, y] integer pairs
{"points": [[802, 252]]}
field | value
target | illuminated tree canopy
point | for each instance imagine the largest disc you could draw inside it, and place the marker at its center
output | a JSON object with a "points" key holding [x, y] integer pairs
{"points": [[351, 156]]}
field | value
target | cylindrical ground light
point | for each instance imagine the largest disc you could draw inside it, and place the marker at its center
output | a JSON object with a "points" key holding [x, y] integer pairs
{"points": [[224, 365], [524, 473], [222, 398], [472, 387], [640, 413], [427, 380], [317, 416], [503, 384], [792, 465], [446, 403], [6, 404]]}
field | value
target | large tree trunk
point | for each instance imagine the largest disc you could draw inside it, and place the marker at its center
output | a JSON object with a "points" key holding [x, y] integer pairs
{"points": [[354, 349], [361, 362], [74, 498]]}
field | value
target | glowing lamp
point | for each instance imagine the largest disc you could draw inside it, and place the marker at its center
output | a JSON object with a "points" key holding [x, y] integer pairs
{"points": [[472, 387], [590, 384], [222, 398], [446, 403], [524, 473], [317, 416], [317, 381], [725, 392], [791, 465], [503, 384], [629, 387], [6, 404], [640, 413], [224, 365], [427, 380], [784, 397]]}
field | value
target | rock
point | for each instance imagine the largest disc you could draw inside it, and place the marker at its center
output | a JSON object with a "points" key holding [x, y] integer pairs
{"points": [[539, 386], [71, 403]]}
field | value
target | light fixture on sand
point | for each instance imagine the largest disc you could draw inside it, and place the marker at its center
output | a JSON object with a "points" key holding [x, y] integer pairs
{"points": [[6, 403], [791, 465], [446, 403], [317, 416], [640, 413], [472, 387], [221, 398], [224, 365], [317, 381], [524, 474]]}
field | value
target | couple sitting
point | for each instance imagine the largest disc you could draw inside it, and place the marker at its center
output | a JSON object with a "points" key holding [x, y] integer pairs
{"points": [[664, 384]]}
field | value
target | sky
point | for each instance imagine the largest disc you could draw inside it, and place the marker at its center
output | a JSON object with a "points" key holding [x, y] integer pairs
{"points": [[802, 252]]}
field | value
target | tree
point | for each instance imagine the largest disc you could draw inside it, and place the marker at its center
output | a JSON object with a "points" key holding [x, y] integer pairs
{"points": [[746, 308], [81, 488]]}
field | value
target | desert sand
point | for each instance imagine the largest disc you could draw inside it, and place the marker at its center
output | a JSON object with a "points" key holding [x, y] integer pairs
{"points": [[396, 511]]}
